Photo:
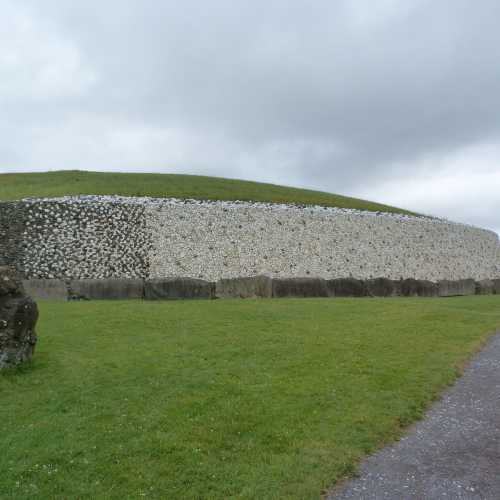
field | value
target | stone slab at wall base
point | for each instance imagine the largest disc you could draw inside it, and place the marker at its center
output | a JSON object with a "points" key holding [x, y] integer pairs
{"points": [[244, 288], [455, 288], [41, 289], [18, 317], [383, 287], [299, 287], [178, 288], [484, 287], [418, 288], [250, 287], [106, 289], [346, 287]]}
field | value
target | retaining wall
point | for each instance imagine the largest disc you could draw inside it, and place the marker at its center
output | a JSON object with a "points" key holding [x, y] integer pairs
{"points": [[113, 237], [250, 287]]}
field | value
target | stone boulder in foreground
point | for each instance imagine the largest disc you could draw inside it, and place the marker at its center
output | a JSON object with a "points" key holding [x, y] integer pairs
{"points": [[18, 316]]}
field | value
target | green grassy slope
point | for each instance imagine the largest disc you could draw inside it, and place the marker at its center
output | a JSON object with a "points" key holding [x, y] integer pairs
{"points": [[243, 399], [50, 184]]}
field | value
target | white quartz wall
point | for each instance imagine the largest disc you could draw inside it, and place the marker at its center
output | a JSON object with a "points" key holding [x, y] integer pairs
{"points": [[218, 240], [98, 237]]}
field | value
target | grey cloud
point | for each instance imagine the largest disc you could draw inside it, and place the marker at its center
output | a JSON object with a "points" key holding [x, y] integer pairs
{"points": [[338, 93]]}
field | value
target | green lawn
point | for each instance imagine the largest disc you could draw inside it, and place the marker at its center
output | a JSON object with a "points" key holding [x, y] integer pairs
{"points": [[224, 399], [50, 184]]}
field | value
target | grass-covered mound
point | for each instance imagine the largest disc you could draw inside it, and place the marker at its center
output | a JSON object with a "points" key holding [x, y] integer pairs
{"points": [[53, 184], [224, 399]]}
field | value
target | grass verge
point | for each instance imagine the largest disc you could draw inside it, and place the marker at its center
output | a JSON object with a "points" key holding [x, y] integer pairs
{"points": [[224, 399]]}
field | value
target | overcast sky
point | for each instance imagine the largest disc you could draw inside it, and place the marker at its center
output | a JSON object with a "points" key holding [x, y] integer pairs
{"points": [[392, 100]]}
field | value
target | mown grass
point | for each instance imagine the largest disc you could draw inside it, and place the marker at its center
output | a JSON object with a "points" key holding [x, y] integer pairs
{"points": [[270, 399], [51, 184]]}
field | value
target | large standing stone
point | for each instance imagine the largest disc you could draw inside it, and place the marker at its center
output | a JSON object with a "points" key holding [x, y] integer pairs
{"points": [[245, 287], [496, 286], [18, 316]]}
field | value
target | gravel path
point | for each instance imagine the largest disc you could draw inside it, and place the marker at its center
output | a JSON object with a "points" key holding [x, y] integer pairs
{"points": [[453, 453]]}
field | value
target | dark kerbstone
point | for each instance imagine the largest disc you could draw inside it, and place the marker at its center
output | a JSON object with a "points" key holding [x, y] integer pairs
{"points": [[448, 288], [346, 287], [299, 287], [382, 287], [106, 289], [49, 289], [178, 288], [484, 287], [245, 287], [18, 316], [418, 288]]}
